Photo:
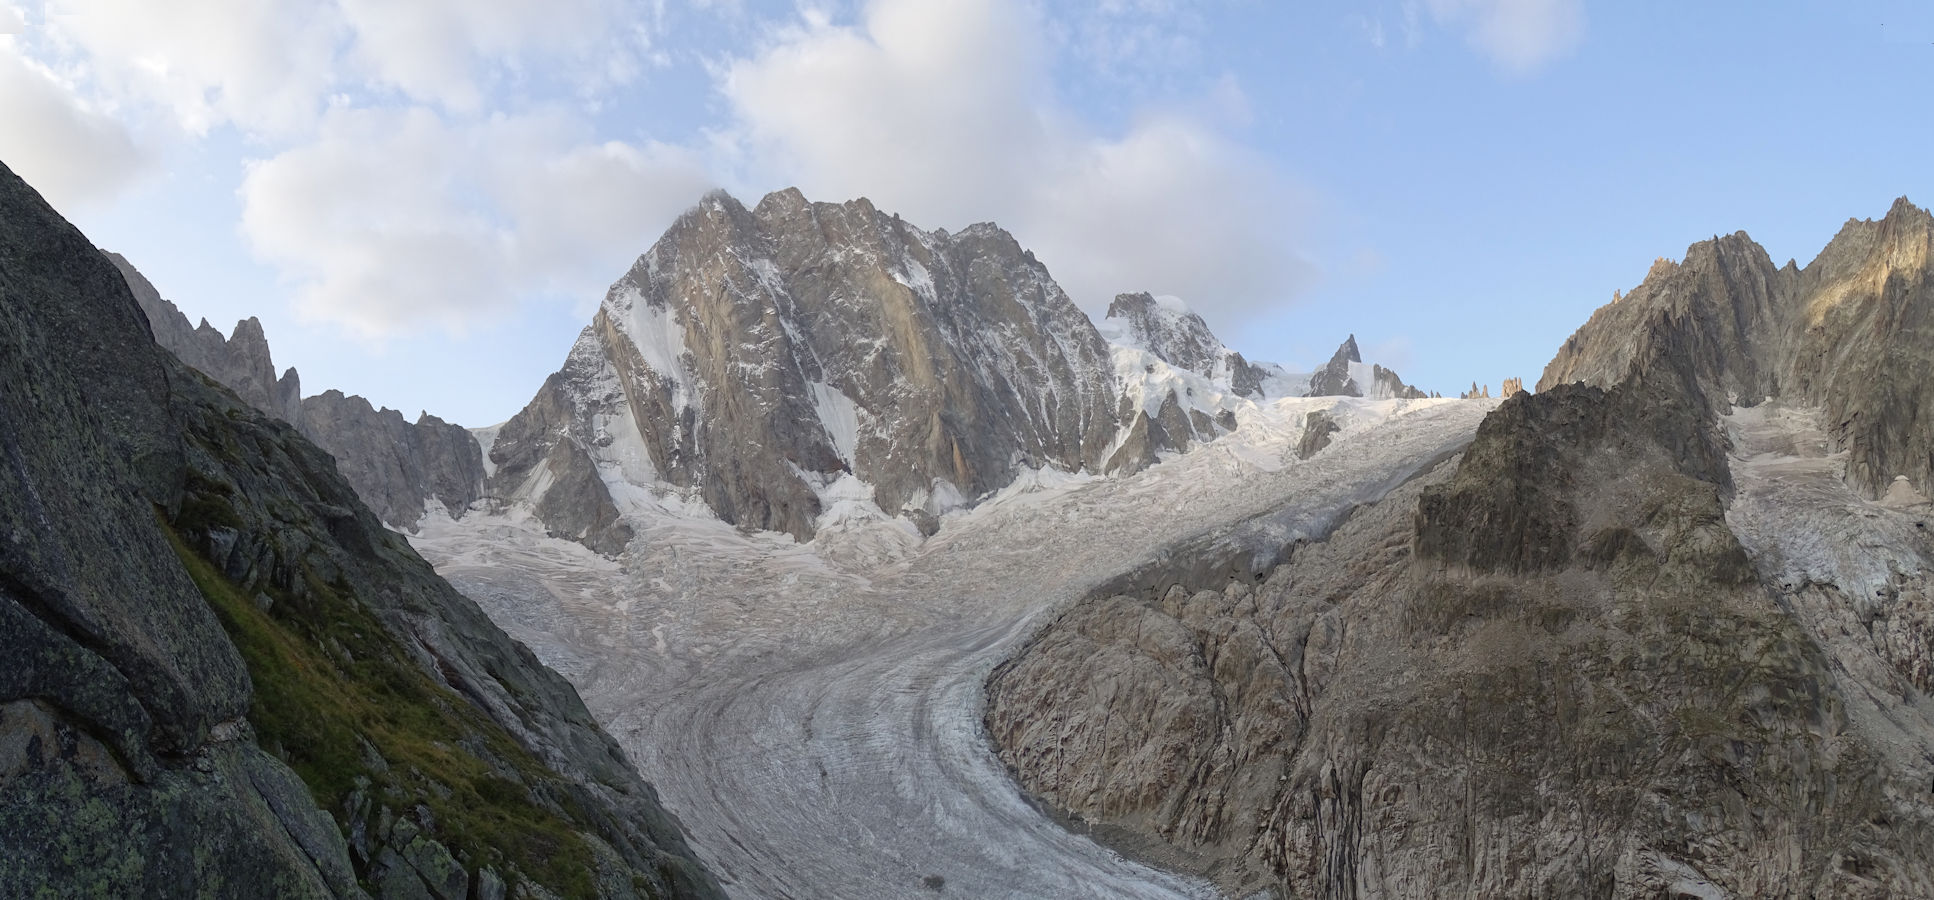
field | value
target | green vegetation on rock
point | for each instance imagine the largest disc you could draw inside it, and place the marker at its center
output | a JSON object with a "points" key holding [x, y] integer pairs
{"points": [[339, 701]]}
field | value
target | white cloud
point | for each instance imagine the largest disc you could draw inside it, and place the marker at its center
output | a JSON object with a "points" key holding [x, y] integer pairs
{"points": [[446, 51], [1168, 208], [72, 154], [269, 67], [391, 221], [942, 110], [265, 66], [1519, 36], [928, 107]]}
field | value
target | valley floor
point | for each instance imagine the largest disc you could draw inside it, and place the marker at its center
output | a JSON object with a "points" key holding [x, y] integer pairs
{"points": [[813, 712]]}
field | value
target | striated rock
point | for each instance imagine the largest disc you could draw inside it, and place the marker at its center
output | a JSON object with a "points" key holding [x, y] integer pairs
{"points": [[207, 635], [1512, 386], [752, 358]]}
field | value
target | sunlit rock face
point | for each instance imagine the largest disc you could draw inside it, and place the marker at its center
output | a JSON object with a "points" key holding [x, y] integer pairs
{"points": [[1851, 332], [771, 362], [1640, 639]]}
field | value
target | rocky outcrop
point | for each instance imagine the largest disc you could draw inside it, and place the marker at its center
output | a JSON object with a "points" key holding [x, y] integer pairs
{"points": [[1550, 669], [1335, 378], [752, 358], [1318, 427], [241, 361], [539, 451], [226, 678], [1345, 375], [396, 466], [1166, 327], [1849, 333], [1385, 385], [1511, 387]]}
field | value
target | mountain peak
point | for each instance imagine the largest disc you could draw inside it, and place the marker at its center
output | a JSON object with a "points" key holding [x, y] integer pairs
{"points": [[1335, 379], [1166, 327]]}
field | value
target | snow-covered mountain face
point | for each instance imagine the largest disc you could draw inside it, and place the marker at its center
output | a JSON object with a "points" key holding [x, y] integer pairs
{"points": [[799, 363], [1166, 327], [793, 361]]}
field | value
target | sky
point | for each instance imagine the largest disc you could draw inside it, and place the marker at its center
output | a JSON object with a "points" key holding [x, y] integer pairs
{"points": [[424, 201]]}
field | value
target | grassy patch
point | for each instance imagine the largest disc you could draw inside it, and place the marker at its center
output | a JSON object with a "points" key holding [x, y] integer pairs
{"points": [[329, 678]]}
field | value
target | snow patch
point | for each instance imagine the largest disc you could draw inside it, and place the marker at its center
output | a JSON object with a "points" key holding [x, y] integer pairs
{"points": [[486, 438], [840, 417], [659, 337]]}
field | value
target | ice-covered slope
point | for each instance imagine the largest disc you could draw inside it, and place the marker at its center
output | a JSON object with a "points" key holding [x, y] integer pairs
{"points": [[811, 711], [1181, 386]]}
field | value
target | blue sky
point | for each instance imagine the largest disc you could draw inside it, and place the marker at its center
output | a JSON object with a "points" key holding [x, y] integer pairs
{"points": [[423, 202]]}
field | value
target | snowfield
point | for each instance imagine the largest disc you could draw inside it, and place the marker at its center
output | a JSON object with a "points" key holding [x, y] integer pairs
{"points": [[812, 713]]}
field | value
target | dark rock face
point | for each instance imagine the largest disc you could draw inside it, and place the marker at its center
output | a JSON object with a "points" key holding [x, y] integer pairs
{"points": [[1334, 379], [395, 465], [1180, 338], [1548, 669], [206, 636], [240, 361], [1318, 426], [1849, 333], [752, 357]]}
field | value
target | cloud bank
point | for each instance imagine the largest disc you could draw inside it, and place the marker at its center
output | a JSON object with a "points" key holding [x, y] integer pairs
{"points": [[943, 110]]}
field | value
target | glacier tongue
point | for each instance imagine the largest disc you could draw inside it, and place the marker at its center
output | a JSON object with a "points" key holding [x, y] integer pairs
{"points": [[812, 711]]}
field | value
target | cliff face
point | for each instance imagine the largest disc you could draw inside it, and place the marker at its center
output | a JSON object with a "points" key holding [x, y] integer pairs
{"points": [[397, 467], [224, 677], [752, 359], [1848, 333], [241, 361], [1589, 658]]}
